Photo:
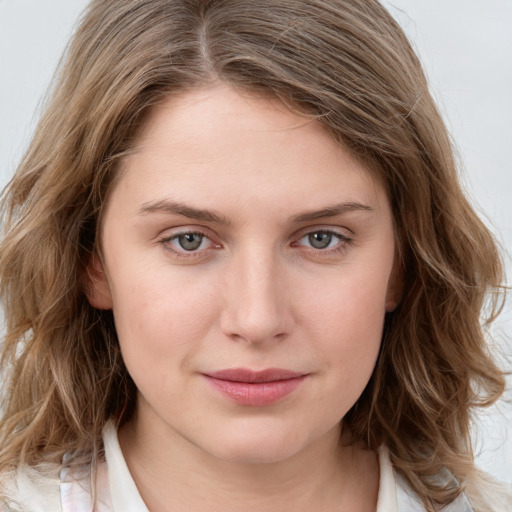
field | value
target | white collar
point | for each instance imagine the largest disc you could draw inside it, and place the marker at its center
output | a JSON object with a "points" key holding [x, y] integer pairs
{"points": [[123, 491]]}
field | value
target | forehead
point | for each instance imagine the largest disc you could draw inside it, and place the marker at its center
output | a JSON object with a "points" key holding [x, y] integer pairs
{"points": [[220, 141], [212, 113]]}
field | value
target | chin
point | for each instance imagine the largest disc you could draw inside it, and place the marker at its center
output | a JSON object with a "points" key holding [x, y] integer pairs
{"points": [[248, 446]]}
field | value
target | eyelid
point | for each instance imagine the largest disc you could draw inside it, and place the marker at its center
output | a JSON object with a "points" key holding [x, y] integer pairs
{"points": [[172, 232], [335, 230]]}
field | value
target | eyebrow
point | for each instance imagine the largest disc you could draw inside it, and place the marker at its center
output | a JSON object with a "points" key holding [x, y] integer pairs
{"points": [[177, 208], [332, 211]]}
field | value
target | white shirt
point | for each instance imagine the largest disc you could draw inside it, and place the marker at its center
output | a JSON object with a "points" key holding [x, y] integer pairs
{"points": [[116, 491]]}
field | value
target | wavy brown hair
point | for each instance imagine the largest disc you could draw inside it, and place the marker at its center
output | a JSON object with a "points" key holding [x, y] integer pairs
{"points": [[345, 63]]}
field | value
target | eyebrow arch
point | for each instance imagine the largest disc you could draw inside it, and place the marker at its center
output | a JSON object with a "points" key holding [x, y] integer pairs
{"points": [[176, 208], [332, 211]]}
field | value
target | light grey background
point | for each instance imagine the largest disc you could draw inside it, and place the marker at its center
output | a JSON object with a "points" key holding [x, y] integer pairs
{"points": [[466, 47]]}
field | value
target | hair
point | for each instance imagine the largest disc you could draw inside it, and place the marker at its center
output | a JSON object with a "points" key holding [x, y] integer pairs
{"points": [[346, 64]]}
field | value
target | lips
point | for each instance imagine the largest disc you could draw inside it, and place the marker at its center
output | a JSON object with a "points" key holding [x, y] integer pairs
{"points": [[255, 388], [250, 376]]}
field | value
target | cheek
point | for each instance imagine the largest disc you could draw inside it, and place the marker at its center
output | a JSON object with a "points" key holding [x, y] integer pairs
{"points": [[350, 304], [344, 332], [161, 319], [347, 323]]}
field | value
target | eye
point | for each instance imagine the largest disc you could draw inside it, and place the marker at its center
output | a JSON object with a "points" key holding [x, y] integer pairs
{"points": [[320, 239], [323, 239], [188, 243]]}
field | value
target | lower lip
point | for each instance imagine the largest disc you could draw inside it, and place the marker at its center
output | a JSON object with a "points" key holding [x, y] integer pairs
{"points": [[256, 394]]}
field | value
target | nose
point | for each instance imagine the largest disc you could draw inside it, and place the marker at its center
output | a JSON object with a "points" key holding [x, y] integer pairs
{"points": [[257, 299]]}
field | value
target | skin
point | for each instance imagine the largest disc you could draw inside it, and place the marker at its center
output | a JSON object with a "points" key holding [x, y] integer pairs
{"points": [[257, 293]]}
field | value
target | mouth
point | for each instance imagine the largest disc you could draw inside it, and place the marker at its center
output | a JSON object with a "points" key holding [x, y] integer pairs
{"points": [[255, 388]]}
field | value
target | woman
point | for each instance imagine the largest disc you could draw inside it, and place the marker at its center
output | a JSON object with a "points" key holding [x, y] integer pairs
{"points": [[239, 272]]}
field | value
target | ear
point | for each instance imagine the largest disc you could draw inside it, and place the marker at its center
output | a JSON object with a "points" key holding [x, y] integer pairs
{"points": [[96, 284], [395, 286]]}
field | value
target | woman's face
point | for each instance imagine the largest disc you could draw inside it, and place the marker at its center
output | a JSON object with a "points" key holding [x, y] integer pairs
{"points": [[248, 261]]}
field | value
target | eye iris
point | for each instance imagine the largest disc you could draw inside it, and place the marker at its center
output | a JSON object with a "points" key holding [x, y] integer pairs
{"points": [[320, 240], [190, 241]]}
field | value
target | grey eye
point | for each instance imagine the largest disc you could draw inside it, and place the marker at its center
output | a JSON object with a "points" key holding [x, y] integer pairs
{"points": [[320, 239], [190, 241]]}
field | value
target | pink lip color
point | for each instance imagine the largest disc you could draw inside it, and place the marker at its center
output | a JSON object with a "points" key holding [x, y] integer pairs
{"points": [[247, 387]]}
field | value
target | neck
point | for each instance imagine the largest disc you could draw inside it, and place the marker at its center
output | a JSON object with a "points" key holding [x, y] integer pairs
{"points": [[327, 475]]}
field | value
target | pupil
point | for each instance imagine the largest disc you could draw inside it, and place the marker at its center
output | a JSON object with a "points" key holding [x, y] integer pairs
{"points": [[320, 240], [190, 241]]}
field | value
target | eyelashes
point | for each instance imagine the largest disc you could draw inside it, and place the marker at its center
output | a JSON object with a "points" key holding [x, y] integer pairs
{"points": [[322, 240], [196, 244], [191, 241], [188, 244]]}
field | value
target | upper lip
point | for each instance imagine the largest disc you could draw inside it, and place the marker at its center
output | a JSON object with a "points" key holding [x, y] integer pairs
{"points": [[254, 376]]}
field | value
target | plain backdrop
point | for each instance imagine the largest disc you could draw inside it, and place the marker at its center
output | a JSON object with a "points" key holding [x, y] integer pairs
{"points": [[466, 48]]}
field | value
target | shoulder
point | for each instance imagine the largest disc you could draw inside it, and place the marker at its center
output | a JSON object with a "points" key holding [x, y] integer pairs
{"points": [[482, 493], [487, 494], [52, 488], [409, 501], [31, 490]]}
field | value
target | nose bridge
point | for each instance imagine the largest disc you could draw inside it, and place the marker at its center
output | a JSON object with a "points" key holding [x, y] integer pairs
{"points": [[256, 308]]}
